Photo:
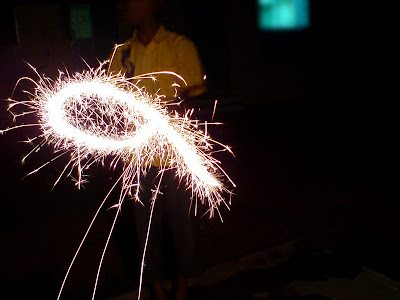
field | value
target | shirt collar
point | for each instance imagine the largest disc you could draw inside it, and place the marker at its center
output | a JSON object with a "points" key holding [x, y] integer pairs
{"points": [[160, 35]]}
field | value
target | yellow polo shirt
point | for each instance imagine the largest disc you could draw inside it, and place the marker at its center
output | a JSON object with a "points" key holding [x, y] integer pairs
{"points": [[167, 51]]}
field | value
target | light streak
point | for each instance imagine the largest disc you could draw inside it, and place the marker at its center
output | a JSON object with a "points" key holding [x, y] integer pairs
{"points": [[93, 115], [214, 109]]}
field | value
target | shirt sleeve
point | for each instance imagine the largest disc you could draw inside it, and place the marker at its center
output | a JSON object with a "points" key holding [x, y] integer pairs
{"points": [[190, 67]]}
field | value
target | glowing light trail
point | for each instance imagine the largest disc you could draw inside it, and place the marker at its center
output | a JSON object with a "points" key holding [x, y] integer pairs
{"points": [[93, 115]]}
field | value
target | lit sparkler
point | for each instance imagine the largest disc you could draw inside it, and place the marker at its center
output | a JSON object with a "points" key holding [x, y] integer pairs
{"points": [[93, 115]]}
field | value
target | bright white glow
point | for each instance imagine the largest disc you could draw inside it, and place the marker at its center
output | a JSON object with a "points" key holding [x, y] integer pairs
{"points": [[156, 126], [92, 115]]}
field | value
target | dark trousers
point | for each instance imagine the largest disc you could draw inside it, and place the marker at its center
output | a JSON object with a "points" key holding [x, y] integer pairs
{"points": [[172, 218]]}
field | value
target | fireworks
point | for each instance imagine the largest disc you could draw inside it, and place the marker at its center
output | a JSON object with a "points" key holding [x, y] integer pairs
{"points": [[92, 115]]}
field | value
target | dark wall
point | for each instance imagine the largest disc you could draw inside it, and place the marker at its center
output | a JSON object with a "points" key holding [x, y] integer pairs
{"points": [[316, 102], [46, 42]]}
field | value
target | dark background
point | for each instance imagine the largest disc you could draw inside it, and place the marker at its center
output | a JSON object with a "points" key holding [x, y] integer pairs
{"points": [[310, 116]]}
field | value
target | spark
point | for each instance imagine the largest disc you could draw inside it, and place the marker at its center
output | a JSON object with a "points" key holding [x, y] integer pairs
{"points": [[214, 109], [93, 115]]}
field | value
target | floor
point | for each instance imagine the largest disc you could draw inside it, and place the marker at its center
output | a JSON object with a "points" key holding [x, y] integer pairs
{"points": [[293, 270]]}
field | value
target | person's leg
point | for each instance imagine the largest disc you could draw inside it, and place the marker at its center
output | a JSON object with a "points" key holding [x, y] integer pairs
{"points": [[185, 232], [159, 291], [153, 272], [180, 287]]}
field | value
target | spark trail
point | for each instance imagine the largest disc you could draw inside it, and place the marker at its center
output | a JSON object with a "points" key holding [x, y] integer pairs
{"points": [[93, 115]]}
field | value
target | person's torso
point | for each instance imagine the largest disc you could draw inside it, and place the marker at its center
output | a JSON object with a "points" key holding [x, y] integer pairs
{"points": [[160, 55]]}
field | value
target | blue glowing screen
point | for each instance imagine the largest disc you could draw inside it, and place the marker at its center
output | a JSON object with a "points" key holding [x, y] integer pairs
{"points": [[283, 14]]}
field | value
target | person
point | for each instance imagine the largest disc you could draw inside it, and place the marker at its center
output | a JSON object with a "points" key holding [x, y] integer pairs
{"points": [[153, 48]]}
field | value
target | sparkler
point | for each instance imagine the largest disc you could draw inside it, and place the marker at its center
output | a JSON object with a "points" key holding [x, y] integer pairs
{"points": [[93, 115]]}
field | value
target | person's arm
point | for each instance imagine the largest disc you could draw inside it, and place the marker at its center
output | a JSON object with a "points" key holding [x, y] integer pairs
{"points": [[115, 62], [116, 58], [190, 68]]}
